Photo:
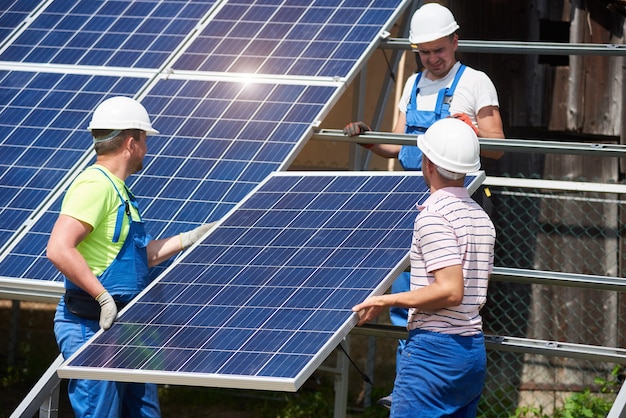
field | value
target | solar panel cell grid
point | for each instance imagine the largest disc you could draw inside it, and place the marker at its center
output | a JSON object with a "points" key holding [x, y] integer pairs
{"points": [[43, 120], [322, 39], [196, 170], [110, 33], [262, 284]]}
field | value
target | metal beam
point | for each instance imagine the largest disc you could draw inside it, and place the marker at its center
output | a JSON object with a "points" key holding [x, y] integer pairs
{"points": [[42, 396], [515, 344], [506, 144], [522, 48], [618, 410]]}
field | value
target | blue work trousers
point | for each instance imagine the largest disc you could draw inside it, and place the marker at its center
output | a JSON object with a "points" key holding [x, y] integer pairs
{"points": [[439, 376], [99, 398]]}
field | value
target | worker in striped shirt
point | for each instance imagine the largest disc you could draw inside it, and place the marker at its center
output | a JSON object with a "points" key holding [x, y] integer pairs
{"points": [[443, 366]]}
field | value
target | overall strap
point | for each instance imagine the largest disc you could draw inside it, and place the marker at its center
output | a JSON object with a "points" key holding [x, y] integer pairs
{"points": [[123, 208], [457, 77], [413, 98], [444, 96]]}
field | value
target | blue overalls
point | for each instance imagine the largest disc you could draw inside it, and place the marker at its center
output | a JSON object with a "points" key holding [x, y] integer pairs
{"points": [[410, 157], [417, 121], [124, 278]]}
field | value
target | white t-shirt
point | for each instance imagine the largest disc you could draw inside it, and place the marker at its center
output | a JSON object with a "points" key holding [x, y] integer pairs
{"points": [[474, 91]]}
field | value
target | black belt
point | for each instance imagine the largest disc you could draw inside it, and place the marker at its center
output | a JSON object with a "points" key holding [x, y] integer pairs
{"points": [[84, 306]]}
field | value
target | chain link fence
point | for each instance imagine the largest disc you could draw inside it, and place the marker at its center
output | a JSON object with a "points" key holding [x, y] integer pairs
{"points": [[560, 231]]}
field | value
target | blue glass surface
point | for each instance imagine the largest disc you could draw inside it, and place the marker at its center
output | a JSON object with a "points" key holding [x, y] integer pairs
{"points": [[13, 13], [244, 293], [105, 33], [207, 158], [315, 38], [43, 120]]}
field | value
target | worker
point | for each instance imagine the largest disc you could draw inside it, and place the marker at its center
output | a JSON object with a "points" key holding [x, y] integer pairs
{"points": [[99, 244], [444, 88], [442, 369]]}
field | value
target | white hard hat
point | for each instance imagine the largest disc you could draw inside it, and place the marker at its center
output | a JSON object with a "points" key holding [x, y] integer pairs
{"points": [[430, 22], [120, 112], [452, 145]]}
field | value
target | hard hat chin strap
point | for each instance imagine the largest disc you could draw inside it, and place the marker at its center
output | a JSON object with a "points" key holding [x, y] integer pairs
{"points": [[108, 137]]}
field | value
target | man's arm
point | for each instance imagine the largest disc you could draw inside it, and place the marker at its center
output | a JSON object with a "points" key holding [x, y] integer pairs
{"points": [[446, 291], [162, 249], [391, 150], [66, 234], [490, 126]]}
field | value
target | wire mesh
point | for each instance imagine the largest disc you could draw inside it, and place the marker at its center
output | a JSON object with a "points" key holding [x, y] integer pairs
{"points": [[572, 232]]}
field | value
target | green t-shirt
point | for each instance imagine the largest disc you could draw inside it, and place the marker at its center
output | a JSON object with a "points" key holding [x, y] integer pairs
{"points": [[92, 199]]}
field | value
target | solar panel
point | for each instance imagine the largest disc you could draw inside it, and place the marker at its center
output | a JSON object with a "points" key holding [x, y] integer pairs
{"points": [[222, 135], [218, 141], [107, 33], [43, 118], [266, 296], [320, 38], [12, 15]]}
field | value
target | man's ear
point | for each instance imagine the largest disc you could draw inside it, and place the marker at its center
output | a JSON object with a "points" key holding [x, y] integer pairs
{"points": [[426, 164], [129, 143]]}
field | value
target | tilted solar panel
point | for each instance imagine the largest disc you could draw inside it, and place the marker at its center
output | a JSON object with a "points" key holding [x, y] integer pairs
{"points": [[266, 296], [107, 33], [218, 141], [43, 120], [12, 15], [319, 38]]}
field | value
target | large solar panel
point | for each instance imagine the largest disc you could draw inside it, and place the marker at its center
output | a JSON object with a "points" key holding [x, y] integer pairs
{"points": [[223, 131], [12, 15], [107, 33], [218, 141], [43, 118], [266, 296], [314, 38]]}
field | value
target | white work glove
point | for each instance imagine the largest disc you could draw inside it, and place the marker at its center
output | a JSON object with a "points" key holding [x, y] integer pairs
{"points": [[187, 239], [108, 310]]}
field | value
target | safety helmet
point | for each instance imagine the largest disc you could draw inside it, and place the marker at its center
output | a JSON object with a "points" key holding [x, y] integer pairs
{"points": [[430, 22], [120, 112], [452, 145]]}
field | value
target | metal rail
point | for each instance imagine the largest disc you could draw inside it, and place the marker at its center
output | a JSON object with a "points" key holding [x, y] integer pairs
{"points": [[506, 144], [44, 396], [519, 47], [515, 344], [513, 275]]}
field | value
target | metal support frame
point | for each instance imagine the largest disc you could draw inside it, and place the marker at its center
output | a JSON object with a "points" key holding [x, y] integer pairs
{"points": [[44, 396], [514, 344], [505, 144], [341, 380], [618, 410]]}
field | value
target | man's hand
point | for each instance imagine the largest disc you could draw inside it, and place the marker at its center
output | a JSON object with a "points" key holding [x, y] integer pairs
{"points": [[369, 309], [464, 118], [355, 128], [108, 310], [187, 239]]}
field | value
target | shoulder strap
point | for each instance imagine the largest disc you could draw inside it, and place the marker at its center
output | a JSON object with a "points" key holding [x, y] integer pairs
{"points": [[457, 77], [413, 98], [123, 208], [448, 92]]}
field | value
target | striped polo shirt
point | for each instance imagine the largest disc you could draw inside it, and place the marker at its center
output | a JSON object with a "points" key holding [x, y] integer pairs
{"points": [[452, 229]]}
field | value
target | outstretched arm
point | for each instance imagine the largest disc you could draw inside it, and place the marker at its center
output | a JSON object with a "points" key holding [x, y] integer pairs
{"points": [[447, 290]]}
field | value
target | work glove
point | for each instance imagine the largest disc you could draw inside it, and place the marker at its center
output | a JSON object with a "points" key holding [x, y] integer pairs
{"points": [[355, 128], [464, 118], [187, 239], [108, 310]]}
